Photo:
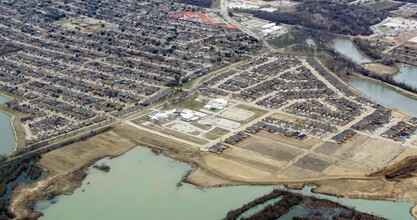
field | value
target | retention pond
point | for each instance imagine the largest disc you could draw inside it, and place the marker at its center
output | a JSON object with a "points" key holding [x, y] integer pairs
{"points": [[7, 137]]}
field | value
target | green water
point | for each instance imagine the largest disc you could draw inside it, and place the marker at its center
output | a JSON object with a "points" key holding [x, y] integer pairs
{"points": [[408, 75], [346, 47], [385, 95], [142, 185], [7, 138]]}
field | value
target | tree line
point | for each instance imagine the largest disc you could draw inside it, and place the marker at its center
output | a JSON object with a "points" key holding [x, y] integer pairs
{"points": [[200, 3], [329, 16]]}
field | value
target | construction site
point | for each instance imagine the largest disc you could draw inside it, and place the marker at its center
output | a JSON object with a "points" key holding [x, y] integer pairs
{"points": [[268, 128]]}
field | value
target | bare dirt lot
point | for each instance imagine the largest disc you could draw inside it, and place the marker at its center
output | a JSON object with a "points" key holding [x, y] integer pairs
{"points": [[305, 144], [237, 114], [380, 68], [258, 112], [312, 162], [270, 148]]}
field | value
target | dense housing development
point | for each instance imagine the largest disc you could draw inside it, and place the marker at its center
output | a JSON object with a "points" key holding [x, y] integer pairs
{"points": [[246, 92], [81, 64]]}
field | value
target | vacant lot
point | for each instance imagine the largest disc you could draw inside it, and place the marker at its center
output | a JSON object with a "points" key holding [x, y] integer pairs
{"points": [[258, 112], [189, 103], [269, 148], [312, 162], [216, 133], [219, 131], [327, 148], [237, 114], [381, 68], [183, 127], [74, 156], [201, 126], [305, 144], [184, 136], [220, 122]]}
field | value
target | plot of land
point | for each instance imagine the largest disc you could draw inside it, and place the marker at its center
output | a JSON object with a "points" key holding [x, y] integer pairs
{"points": [[312, 162], [182, 127], [327, 148], [85, 23], [201, 126], [215, 133], [219, 131], [380, 68], [258, 112], [270, 148], [220, 122], [237, 114], [305, 144], [191, 102], [74, 156]]}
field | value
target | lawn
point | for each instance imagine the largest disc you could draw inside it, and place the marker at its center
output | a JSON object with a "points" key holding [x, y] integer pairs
{"points": [[188, 84], [188, 103]]}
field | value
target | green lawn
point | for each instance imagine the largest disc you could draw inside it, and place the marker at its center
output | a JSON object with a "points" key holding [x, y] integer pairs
{"points": [[188, 103], [290, 38], [62, 21], [188, 84]]}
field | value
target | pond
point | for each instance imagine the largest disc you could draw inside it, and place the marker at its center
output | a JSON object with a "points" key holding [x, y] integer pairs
{"points": [[346, 47], [408, 75], [385, 95], [7, 136]]}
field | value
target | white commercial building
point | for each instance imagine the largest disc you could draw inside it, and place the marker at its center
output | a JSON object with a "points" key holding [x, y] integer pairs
{"points": [[216, 104]]}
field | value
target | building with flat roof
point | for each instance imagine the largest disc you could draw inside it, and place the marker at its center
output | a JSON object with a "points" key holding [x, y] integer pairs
{"points": [[216, 104]]}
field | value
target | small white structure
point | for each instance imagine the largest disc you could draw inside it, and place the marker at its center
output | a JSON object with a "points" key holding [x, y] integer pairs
{"points": [[163, 115], [190, 115], [267, 26], [414, 40], [183, 114], [216, 104]]}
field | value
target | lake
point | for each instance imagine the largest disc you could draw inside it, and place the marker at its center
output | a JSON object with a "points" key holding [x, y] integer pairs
{"points": [[408, 75], [346, 47], [142, 185], [385, 95], [7, 136]]}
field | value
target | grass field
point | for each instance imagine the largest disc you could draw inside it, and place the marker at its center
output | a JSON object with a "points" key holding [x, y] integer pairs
{"points": [[291, 38], [383, 5], [188, 103], [188, 84], [63, 21]]}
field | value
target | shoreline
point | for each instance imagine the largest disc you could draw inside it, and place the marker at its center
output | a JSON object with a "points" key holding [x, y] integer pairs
{"points": [[12, 117], [384, 84], [12, 121], [67, 181], [222, 181]]}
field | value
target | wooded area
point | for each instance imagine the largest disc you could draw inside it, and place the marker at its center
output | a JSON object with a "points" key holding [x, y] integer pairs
{"points": [[329, 16], [201, 3]]}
